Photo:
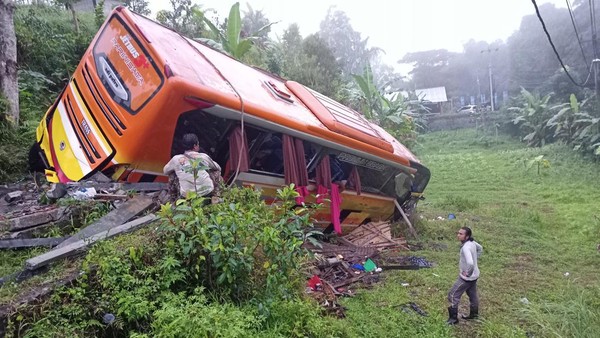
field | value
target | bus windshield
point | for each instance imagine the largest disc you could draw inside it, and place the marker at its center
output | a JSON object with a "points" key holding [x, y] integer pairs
{"points": [[125, 68]]}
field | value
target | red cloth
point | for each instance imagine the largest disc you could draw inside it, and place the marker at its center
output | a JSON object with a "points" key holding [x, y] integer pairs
{"points": [[302, 192], [354, 180], [301, 163], [321, 193], [336, 203], [294, 163], [324, 172], [314, 282], [238, 144]]}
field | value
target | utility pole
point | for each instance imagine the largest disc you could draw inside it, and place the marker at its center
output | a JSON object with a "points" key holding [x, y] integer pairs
{"points": [[478, 90], [489, 51]]}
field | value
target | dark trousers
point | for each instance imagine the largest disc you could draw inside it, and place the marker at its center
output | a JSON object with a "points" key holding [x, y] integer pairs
{"points": [[461, 286]]}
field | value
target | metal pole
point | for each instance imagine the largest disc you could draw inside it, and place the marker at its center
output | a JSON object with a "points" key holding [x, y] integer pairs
{"points": [[491, 88]]}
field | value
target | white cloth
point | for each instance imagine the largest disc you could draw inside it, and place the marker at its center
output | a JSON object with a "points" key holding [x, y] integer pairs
{"points": [[469, 253], [180, 165]]}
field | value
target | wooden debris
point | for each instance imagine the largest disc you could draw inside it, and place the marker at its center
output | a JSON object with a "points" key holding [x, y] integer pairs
{"points": [[31, 242], [410, 226], [110, 197], [124, 213], [35, 219], [374, 234], [76, 247]]}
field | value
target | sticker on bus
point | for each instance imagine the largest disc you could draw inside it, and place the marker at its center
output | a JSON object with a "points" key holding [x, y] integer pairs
{"points": [[124, 66]]}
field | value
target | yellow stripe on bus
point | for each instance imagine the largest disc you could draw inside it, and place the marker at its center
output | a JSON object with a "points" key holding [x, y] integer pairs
{"points": [[88, 118]]}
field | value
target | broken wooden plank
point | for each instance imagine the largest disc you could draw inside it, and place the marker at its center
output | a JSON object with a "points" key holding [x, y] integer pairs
{"points": [[75, 247], [139, 186], [31, 242], [110, 197], [410, 226], [35, 219], [122, 214]]}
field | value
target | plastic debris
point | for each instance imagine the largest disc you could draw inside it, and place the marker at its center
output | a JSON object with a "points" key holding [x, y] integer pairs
{"points": [[84, 193], [525, 301], [451, 216], [314, 283], [369, 265], [108, 318], [358, 266]]}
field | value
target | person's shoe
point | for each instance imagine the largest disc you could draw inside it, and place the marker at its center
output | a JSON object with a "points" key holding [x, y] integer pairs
{"points": [[473, 314], [452, 316]]}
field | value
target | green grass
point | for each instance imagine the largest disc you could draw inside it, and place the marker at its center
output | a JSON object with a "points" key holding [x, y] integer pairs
{"points": [[534, 229]]}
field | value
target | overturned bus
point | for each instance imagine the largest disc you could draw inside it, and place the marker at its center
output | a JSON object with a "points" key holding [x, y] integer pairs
{"points": [[140, 86]]}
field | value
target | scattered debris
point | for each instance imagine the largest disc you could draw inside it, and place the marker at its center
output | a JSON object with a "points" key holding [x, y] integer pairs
{"points": [[356, 257], [13, 196], [122, 214], [411, 306], [32, 218], [31, 242], [57, 190], [76, 247]]}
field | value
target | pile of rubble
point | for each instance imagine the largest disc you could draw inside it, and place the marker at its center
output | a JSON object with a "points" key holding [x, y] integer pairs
{"points": [[26, 220], [353, 258]]}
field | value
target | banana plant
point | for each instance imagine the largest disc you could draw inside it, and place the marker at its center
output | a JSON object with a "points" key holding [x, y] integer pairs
{"points": [[532, 117], [230, 40], [563, 121]]}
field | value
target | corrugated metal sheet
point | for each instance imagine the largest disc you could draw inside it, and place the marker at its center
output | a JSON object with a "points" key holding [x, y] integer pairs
{"points": [[436, 94]]}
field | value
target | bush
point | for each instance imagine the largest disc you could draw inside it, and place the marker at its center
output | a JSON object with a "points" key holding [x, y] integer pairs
{"points": [[203, 260], [241, 249]]}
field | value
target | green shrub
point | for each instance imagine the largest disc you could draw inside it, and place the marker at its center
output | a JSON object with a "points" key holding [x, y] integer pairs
{"points": [[241, 248]]}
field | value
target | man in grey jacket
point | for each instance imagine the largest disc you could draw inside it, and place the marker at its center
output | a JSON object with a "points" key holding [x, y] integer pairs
{"points": [[467, 277]]}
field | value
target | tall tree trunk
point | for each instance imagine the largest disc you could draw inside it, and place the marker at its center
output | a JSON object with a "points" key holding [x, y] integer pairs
{"points": [[75, 21], [8, 61]]}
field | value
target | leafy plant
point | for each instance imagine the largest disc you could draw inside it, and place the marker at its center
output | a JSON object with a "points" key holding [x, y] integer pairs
{"points": [[539, 161], [230, 40], [240, 248], [532, 116]]}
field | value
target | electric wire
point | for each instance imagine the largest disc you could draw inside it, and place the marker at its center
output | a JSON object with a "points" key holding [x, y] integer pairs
{"points": [[576, 31], [537, 11]]}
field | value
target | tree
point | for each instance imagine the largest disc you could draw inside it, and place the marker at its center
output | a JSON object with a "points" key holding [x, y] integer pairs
{"points": [[9, 92], [310, 62], [69, 6], [185, 17], [138, 6], [347, 45]]}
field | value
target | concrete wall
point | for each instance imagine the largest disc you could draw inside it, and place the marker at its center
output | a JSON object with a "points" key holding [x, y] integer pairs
{"points": [[454, 121]]}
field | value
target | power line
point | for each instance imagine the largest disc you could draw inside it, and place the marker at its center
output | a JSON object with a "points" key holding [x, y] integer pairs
{"points": [[593, 24], [537, 11], [576, 32]]}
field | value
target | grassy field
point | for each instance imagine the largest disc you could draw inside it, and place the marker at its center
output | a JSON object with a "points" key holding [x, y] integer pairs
{"points": [[539, 271], [540, 234]]}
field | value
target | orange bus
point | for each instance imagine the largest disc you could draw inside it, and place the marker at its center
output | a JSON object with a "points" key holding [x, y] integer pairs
{"points": [[140, 86]]}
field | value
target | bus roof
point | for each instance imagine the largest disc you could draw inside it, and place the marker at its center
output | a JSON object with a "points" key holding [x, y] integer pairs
{"points": [[219, 79]]}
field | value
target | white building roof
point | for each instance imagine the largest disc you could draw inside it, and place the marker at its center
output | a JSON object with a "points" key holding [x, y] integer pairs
{"points": [[436, 94]]}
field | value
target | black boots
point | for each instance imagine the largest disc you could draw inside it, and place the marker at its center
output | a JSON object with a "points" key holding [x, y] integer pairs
{"points": [[452, 316], [474, 314]]}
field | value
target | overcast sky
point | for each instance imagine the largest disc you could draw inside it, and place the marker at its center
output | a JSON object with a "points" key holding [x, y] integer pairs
{"points": [[396, 26]]}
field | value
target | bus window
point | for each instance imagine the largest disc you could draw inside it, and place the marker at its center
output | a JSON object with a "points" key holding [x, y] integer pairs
{"points": [[124, 67], [266, 152], [212, 134]]}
